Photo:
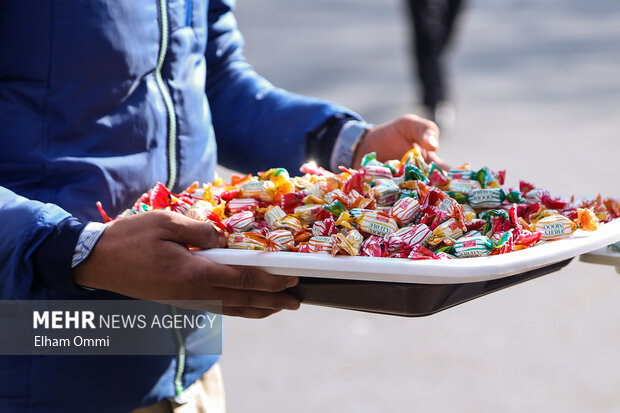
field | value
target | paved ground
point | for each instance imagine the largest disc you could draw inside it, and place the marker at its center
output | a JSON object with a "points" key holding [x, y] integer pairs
{"points": [[538, 93]]}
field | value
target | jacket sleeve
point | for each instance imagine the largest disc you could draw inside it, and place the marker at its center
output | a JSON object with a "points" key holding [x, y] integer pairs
{"points": [[37, 241], [257, 125]]}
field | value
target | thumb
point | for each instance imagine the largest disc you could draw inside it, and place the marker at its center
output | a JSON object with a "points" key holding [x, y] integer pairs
{"points": [[196, 233]]}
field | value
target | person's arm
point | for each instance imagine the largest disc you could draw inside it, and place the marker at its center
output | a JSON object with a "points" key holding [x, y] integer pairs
{"points": [[259, 126], [37, 242], [142, 256]]}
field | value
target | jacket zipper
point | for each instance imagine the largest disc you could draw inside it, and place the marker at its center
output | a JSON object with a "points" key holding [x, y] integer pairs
{"points": [[178, 376], [172, 120], [172, 165]]}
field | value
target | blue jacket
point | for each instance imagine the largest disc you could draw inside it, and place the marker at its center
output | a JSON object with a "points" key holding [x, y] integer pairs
{"points": [[99, 100]]}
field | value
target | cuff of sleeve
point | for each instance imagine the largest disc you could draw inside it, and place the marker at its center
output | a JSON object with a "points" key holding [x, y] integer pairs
{"points": [[320, 143], [52, 260], [86, 242], [349, 136]]}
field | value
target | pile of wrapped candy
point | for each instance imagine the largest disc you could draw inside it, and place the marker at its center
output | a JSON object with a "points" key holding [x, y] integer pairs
{"points": [[399, 209]]}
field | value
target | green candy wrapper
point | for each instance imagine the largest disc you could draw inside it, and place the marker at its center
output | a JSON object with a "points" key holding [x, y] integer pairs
{"points": [[488, 217], [468, 247], [486, 198], [413, 173], [459, 197], [336, 208]]}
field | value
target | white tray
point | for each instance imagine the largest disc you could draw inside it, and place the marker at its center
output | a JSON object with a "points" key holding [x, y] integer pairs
{"points": [[420, 272]]}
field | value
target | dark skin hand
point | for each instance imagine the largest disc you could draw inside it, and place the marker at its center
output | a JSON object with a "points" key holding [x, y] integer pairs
{"points": [[145, 256], [393, 139]]}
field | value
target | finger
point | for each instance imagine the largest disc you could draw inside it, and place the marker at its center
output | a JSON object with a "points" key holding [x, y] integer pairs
{"points": [[255, 299], [247, 312], [199, 234], [212, 274], [421, 131]]}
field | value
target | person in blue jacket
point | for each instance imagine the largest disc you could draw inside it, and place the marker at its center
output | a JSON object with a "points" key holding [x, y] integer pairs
{"points": [[101, 99]]}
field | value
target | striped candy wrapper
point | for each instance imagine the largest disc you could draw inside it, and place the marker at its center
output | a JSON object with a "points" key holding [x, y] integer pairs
{"points": [[472, 233], [386, 194], [377, 223], [486, 198], [281, 240], [463, 186], [307, 213], [358, 212], [447, 229], [291, 223], [180, 207], [324, 228], [409, 236], [349, 243], [478, 246], [555, 227], [274, 216], [199, 210], [405, 209], [468, 213], [465, 174], [263, 190], [240, 222], [374, 171], [320, 244], [240, 241], [241, 204]]}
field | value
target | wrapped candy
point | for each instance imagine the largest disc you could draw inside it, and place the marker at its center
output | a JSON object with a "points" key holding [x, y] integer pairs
{"points": [[421, 253], [349, 243], [263, 190], [335, 208], [476, 246], [276, 218], [199, 211], [587, 220], [486, 198], [240, 222], [555, 227], [413, 173], [374, 246], [399, 209], [469, 213], [241, 204], [280, 240], [291, 223], [408, 237], [377, 223], [436, 175], [461, 174], [320, 244], [404, 210], [373, 172], [324, 228], [308, 213], [463, 186], [242, 241], [344, 220], [448, 229], [385, 194]]}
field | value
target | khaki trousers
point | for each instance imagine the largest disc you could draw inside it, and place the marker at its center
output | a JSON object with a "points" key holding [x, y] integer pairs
{"points": [[204, 396]]}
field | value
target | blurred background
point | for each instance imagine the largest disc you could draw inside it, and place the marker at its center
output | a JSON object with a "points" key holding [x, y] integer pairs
{"points": [[536, 89]]}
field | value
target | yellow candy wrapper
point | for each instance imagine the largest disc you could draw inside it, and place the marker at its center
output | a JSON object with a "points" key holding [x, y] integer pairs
{"points": [[555, 227]]}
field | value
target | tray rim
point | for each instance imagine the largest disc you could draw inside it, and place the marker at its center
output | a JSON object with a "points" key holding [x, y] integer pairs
{"points": [[419, 272]]}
